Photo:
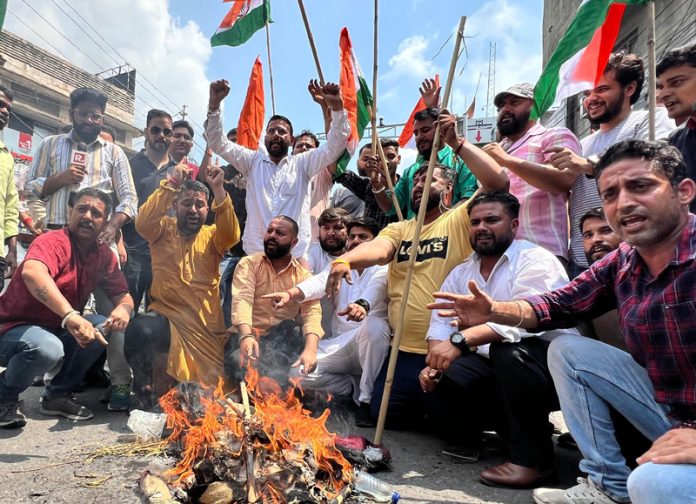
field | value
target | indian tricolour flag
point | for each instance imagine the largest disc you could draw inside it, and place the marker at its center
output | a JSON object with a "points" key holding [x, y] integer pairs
{"points": [[244, 19], [581, 55], [357, 99]]}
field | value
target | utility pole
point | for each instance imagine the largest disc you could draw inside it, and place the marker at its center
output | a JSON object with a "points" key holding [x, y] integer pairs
{"points": [[490, 93], [183, 113]]}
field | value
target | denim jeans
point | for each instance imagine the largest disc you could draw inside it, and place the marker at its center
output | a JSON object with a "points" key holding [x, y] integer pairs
{"points": [[28, 351], [590, 376], [673, 483]]}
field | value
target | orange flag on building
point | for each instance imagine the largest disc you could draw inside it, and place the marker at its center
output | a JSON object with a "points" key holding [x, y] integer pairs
{"points": [[251, 118], [407, 132]]}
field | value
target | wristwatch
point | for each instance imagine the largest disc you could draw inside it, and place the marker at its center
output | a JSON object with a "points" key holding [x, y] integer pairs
{"points": [[593, 160], [459, 340], [364, 303]]}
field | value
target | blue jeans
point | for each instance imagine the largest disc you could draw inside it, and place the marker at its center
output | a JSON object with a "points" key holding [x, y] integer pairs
{"points": [[28, 351], [673, 483], [590, 376]]}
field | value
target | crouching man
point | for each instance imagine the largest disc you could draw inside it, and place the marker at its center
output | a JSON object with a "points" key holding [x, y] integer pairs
{"points": [[185, 317], [41, 312], [349, 361], [270, 337]]}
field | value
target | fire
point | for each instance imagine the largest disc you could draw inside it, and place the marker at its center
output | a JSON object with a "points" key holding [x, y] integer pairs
{"points": [[282, 432]]}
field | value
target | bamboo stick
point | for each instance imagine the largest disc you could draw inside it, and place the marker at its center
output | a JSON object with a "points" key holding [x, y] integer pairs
{"points": [[311, 41], [270, 66], [252, 496], [387, 175], [414, 247], [652, 99]]}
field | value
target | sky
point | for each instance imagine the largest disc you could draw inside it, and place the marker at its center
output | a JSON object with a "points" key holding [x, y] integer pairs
{"points": [[168, 42]]}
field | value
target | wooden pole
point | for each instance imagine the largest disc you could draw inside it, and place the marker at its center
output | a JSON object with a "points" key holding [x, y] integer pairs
{"points": [[414, 247], [387, 175], [270, 67], [311, 41], [375, 55], [652, 99]]}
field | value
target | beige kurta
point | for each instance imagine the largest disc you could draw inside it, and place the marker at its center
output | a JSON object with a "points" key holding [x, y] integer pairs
{"points": [[186, 284]]}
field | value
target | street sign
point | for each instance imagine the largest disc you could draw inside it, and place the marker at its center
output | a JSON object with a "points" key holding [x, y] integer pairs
{"points": [[481, 130]]}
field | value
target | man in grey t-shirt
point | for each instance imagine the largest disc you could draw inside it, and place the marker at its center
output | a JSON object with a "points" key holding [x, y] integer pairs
{"points": [[608, 104]]}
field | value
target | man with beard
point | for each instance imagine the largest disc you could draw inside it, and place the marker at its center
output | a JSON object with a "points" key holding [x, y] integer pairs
{"points": [[676, 87], [369, 181], [608, 104], [348, 362], [650, 279], [495, 373], [41, 314], [464, 182], [185, 317], [278, 183], [541, 189], [149, 167], [52, 176], [333, 233], [443, 244], [268, 337]]}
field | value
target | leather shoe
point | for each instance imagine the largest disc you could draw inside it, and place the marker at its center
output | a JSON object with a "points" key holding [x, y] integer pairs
{"points": [[515, 476]]}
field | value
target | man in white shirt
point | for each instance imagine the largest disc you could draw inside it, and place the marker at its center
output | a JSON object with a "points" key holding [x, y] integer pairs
{"points": [[277, 183], [609, 104], [350, 361], [493, 367], [333, 233]]}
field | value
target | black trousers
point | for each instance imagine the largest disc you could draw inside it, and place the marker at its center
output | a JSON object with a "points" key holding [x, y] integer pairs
{"points": [[138, 273], [279, 348], [147, 336], [511, 392]]}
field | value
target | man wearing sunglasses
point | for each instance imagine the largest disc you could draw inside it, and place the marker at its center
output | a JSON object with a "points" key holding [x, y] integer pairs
{"points": [[54, 174], [149, 167]]}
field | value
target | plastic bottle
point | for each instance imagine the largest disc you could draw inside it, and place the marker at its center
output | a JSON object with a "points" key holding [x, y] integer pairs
{"points": [[147, 426], [375, 488]]}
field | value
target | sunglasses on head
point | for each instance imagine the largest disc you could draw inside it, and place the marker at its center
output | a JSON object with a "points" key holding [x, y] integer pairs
{"points": [[156, 130]]}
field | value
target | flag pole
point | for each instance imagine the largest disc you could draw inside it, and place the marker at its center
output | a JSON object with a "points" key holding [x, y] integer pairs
{"points": [[652, 99], [376, 146], [393, 356], [270, 67], [311, 41]]}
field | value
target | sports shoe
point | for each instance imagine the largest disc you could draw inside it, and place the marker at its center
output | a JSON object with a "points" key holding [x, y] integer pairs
{"points": [[10, 417], [585, 492], [120, 398], [66, 407]]}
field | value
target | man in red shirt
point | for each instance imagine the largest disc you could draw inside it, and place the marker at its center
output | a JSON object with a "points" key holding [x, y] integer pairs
{"points": [[41, 311]]}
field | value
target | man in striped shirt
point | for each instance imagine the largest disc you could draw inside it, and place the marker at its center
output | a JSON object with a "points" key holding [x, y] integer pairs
{"points": [[53, 177]]}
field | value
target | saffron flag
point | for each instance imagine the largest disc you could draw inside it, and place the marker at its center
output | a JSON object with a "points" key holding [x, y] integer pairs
{"points": [[582, 53], [251, 118], [472, 109], [357, 99], [245, 18], [407, 132]]}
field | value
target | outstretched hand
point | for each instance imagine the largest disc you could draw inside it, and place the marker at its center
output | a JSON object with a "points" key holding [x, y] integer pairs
{"points": [[430, 92], [471, 309], [279, 299], [448, 128], [353, 312], [316, 92], [339, 271]]}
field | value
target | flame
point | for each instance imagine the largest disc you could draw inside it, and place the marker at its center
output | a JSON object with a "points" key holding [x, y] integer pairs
{"points": [[290, 430]]}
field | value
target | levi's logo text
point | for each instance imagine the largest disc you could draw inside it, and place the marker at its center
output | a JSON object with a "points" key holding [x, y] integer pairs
{"points": [[427, 249]]}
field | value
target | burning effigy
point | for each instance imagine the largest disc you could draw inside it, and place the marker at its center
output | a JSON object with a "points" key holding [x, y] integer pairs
{"points": [[255, 444]]}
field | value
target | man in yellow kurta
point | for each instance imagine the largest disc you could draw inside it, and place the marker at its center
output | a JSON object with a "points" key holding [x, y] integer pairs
{"points": [[185, 316]]}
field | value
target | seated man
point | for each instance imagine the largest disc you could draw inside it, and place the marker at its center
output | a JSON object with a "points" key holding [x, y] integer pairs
{"points": [[443, 244], [332, 239], [184, 316], [271, 338], [350, 360], [490, 368], [40, 314], [650, 280]]}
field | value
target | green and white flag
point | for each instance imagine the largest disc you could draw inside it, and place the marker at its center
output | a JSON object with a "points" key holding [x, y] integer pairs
{"points": [[581, 55], [245, 18]]}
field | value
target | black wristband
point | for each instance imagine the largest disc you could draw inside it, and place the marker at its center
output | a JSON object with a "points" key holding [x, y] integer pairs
{"points": [[364, 303]]}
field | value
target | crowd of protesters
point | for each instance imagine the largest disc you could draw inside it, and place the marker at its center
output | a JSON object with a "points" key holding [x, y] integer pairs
{"points": [[551, 273]]}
